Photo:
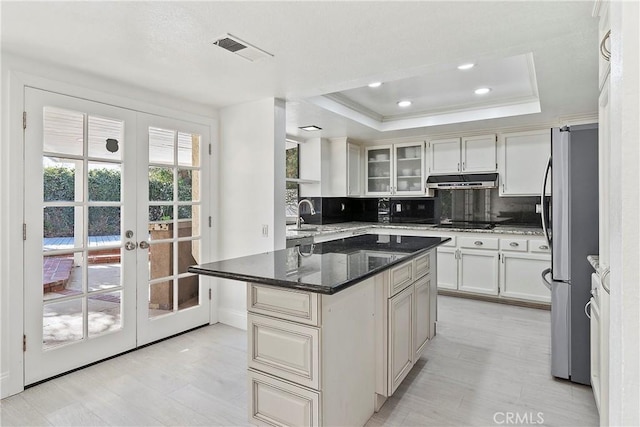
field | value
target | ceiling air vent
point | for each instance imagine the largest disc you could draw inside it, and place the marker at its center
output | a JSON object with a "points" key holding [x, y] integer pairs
{"points": [[241, 48]]}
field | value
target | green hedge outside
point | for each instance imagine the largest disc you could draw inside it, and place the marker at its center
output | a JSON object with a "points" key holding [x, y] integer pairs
{"points": [[105, 185]]}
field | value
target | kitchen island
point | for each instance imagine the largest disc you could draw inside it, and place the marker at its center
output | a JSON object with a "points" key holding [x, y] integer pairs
{"points": [[334, 327]]}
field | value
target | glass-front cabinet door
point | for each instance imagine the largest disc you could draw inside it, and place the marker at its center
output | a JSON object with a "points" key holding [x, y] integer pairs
{"points": [[379, 169], [409, 168]]}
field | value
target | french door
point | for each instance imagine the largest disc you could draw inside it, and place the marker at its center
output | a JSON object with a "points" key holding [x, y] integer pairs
{"points": [[113, 214]]}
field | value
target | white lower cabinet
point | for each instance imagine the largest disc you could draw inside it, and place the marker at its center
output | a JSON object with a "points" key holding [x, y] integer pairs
{"points": [[401, 346], [497, 264], [478, 271], [520, 276], [447, 268]]}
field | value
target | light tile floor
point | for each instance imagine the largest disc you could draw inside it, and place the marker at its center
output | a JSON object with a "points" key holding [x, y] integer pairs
{"points": [[488, 360]]}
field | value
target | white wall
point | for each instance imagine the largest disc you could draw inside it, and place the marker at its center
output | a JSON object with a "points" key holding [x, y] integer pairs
{"points": [[624, 364], [17, 72], [251, 188]]}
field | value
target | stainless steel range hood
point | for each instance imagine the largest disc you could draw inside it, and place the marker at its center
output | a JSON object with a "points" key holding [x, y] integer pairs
{"points": [[463, 182]]}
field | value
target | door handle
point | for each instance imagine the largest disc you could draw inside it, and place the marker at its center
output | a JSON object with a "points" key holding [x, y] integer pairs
{"points": [[478, 243], [130, 246], [514, 244], [545, 282], [587, 310], [144, 244]]}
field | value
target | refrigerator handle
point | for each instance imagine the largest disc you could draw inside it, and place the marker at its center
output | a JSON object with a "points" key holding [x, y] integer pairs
{"points": [[544, 278], [545, 206]]}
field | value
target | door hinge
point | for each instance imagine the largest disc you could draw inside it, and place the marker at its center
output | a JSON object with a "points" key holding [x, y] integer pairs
{"points": [[24, 343], [209, 222], [24, 231], [24, 120], [496, 138], [209, 294], [496, 166], [209, 149]]}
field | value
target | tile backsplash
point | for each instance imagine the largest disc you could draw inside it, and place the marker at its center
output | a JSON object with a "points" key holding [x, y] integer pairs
{"points": [[460, 205]]}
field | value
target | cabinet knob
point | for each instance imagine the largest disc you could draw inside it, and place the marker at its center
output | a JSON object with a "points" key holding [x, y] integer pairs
{"points": [[478, 243], [514, 244]]}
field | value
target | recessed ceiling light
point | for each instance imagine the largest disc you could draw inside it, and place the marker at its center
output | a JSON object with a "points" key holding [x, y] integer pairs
{"points": [[483, 91], [404, 104], [466, 66], [375, 84], [310, 128]]}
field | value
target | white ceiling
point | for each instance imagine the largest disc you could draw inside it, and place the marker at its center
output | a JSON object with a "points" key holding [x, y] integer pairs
{"points": [[319, 48]]}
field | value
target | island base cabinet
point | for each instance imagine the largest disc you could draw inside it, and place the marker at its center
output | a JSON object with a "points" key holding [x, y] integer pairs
{"points": [[304, 375], [401, 348], [277, 403]]}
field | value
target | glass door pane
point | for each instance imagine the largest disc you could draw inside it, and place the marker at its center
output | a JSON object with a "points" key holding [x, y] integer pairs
{"points": [[174, 220], [409, 168], [379, 170]]}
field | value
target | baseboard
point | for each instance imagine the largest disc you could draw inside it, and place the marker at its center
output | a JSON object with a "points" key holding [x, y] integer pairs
{"points": [[235, 318], [489, 298]]}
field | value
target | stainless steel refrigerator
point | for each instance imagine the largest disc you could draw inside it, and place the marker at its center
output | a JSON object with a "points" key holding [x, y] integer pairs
{"points": [[570, 222]]}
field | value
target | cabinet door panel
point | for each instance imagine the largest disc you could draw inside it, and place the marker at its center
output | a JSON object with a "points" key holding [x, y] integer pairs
{"points": [[353, 170], [524, 156], [479, 153], [401, 348], [479, 271], [447, 268], [408, 168], [286, 349], [379, 170], [275, 403], [422, 325], [444, 156], [520, 276]]}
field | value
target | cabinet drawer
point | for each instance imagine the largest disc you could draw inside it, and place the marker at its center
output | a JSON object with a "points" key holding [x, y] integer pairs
{"points": [[273, 402], [519, 245], [400, 277], [478, 242], [540, 246], [422, 265], [284, 349], [288, 304]]}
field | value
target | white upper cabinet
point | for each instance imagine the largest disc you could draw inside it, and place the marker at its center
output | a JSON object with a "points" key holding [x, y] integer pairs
{"points": [[463, 155], [354, 170], [408, 168], [378, 169], [523, 157], [479, 153], [444, 156], [396, 169]]}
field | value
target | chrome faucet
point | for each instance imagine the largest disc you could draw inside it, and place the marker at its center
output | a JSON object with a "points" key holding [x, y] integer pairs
{"points": [[299, 218]]}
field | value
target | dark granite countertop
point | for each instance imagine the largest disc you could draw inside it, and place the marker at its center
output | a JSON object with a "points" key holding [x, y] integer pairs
{"points": [[324, 268]]}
